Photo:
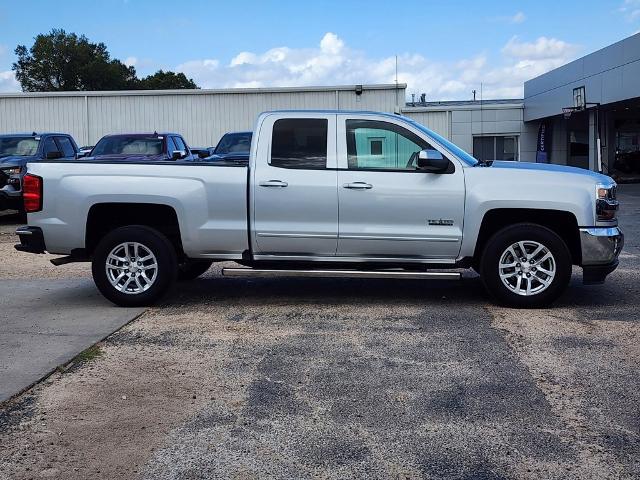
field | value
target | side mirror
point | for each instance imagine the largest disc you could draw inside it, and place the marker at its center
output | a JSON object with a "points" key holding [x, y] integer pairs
{"points": [[53, 155], [82, 154], [432, 161], [178, 154], [204, 154]]}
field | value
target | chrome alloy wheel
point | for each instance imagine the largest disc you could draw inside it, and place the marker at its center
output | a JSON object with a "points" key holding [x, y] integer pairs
{"points": [[131, 268], [527, 268]]}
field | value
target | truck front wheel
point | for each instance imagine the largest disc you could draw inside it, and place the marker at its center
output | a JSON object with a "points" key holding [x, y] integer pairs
{"points": [[134, 266], [525, 266]]}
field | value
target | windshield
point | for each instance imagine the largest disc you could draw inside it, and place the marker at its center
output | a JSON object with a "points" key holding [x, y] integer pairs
{"points": [[457, 151], [18, 146], [128, 145], [234, 143]]}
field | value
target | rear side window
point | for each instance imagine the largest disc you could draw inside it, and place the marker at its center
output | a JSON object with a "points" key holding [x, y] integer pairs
{"points": [[299, 143], [65, 145]]}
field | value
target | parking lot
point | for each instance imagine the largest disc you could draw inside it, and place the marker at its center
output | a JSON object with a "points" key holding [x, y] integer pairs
{"points": [[326, 378]]}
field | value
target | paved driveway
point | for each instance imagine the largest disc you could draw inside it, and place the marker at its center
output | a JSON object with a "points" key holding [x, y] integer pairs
{"points": [[44, 322]]}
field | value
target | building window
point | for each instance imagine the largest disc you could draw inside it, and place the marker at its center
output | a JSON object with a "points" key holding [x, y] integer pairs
{"points": [[376, 147], [496, 148]]}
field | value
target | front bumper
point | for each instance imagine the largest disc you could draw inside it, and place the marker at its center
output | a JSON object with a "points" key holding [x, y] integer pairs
{"points": [[600, 249], [31, 240]]}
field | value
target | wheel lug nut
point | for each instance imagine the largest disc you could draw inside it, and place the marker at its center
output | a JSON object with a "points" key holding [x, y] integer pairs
{"points": [[528, 275], [531, 261], [518, 265]]}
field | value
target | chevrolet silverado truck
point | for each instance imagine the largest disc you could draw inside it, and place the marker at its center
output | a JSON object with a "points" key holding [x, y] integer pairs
{"points": [[16, 150], [327, 194]]}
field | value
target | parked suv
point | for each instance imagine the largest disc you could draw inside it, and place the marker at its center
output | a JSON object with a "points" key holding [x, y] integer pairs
{"points": [[136, 147], [16, 150]]}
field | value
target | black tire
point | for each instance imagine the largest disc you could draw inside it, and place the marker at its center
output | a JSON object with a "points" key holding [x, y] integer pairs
{"points": [[151, 240], [523, 232], [192, 269]]}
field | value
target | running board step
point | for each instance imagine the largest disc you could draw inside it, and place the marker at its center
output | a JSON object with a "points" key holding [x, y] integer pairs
{"points": [[257, 272]]}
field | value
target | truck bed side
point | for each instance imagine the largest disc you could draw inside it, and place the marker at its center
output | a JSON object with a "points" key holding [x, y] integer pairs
{"points": [[209, 202]]}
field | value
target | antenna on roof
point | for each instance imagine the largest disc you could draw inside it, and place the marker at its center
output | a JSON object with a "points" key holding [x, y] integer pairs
{"points": [[155, 132]]}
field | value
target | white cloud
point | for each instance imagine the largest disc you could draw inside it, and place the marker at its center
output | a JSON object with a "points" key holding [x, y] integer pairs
{"points": [[543, 48], [630, 9], [131, 61], [518, 18], [333, 62], [8, 82]]}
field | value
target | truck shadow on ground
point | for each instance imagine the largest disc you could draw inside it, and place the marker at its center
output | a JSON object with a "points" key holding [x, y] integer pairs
{"points": [[613, 300]]}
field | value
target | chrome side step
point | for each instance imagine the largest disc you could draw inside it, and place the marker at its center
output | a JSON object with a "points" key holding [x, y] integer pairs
{"points": [[258, 272]]}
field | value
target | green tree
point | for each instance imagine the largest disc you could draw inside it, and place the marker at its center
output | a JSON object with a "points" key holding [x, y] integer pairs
{"points": [[61, 61], [162, 80]]}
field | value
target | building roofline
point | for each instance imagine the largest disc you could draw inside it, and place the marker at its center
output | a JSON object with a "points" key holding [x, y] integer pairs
{"points": [[118, 93]]}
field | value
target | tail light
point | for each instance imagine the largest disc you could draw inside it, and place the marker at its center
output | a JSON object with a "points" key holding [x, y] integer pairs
{"points": [[32, 193]]}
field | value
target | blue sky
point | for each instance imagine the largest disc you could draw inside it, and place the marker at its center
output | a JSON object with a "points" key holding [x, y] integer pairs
{"points": [[445, 49]]}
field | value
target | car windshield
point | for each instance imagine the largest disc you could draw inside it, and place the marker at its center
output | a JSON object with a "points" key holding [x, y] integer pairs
{"points": [[18, 146], [234, 143], [128, 145], [457, 151]]}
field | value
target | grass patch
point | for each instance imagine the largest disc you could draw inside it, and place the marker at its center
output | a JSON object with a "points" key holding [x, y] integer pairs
{"points": [[89, 354]]}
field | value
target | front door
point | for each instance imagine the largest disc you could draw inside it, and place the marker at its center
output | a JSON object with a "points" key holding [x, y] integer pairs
{"points": [[388, 208], [295, 198]]}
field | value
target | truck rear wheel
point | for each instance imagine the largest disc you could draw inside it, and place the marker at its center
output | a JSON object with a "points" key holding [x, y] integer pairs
{"points": [[525, 266], [134, 266]]}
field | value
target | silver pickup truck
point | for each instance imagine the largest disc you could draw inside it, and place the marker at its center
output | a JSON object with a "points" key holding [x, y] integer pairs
{"points": [[327, 193]]}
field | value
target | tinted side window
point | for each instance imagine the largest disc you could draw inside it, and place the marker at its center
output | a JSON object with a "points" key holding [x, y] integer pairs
{"points": [[373, 144], [299, 143], [65, 144], [171, 147], [49, 146], [179, 143]]}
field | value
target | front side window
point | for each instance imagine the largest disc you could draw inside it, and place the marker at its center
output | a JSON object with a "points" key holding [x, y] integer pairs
{"points": [[65, 145], [378, 145], [49, 146], [180, 144], [299, 143]]}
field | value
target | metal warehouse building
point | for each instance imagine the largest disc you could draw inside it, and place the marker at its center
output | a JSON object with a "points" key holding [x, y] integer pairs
{"points": [[489, 129], [201, 116]]}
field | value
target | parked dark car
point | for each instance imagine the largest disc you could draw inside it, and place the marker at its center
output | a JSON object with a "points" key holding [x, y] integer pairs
{"points": [[202, 152], [233, 147], [141, 147], [16, 150]]}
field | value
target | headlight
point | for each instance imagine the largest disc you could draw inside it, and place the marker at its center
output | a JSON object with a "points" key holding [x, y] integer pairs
{"points": [[12, 170], [606, 202]]}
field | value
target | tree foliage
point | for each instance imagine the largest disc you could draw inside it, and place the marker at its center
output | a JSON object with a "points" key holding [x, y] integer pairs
{"points": [[162, 80], [61, 61]]}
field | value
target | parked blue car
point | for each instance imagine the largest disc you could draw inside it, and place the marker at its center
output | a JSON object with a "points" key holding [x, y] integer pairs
{"points": [[233, 147], [16, 150]]}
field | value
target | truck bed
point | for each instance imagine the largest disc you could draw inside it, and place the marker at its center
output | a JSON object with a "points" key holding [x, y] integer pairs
{"points": [[72, 188]]}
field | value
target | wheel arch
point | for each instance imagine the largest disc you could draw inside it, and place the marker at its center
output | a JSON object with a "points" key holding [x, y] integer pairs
{"points": [[563, 223], [105, 217]]}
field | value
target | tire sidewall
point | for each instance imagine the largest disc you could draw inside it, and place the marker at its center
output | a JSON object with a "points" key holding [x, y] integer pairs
{"points": [[489, 271], [152, 240]]}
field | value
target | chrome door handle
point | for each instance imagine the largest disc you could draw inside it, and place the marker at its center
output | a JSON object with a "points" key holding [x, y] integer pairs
{"points": [[358, 186], [273, 183]]}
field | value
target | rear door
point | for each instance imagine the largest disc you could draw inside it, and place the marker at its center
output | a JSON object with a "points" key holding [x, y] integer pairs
{"points": [[295, 202], [387, 207]]}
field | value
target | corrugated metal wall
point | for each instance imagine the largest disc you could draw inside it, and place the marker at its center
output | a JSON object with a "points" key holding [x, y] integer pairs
{"points": [[201, 116], [438, 121]]}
